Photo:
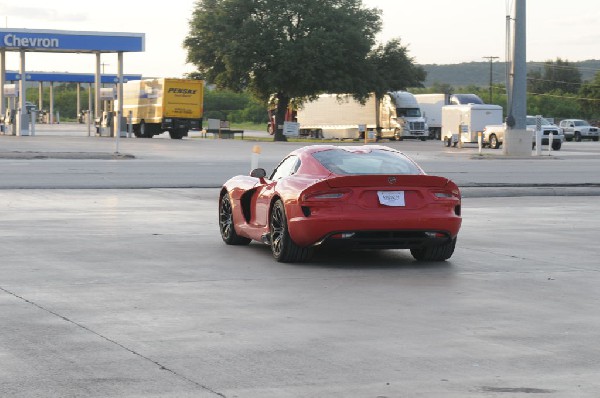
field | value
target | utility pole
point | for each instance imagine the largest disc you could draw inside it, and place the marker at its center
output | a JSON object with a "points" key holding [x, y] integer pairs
{"points": [[517, 140], [491, 58]]}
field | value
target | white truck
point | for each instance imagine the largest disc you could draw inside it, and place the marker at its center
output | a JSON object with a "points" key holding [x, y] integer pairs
{"points": [[431, 107], [463, 123], [493, 135], [396, 116]]}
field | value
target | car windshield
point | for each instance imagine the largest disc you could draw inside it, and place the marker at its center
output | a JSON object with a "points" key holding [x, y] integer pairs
{"points": [[357, 162], [461, 99], [581, 123]]}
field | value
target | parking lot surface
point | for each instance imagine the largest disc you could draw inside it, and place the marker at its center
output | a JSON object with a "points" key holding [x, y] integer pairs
{"points": [[114, 282]]}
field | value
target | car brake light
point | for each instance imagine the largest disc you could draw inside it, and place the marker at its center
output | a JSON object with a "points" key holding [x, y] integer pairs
{"points": [[447, 194], [327, 195], [334, 195]]}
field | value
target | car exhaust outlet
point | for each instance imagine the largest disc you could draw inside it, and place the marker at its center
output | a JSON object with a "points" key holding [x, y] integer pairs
{"points": [[435, 235]]}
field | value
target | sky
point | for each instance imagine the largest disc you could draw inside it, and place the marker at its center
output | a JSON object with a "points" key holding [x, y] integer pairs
{"points": [[434, 31]]}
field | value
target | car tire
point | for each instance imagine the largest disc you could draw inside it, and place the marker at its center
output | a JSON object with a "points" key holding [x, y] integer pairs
{"points": [[226, 224], [556, 145], [282, 246], [494, 141], [595, 138], [434, 253]]}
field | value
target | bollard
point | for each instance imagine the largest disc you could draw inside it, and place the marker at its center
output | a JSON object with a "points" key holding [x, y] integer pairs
{"points": [[550, 137], [129, 124], [479, 141], [32, 121], [538, 135], [255, 155]]}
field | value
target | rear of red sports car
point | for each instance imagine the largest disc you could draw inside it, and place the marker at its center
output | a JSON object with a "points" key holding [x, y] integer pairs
{"points": [[377, 211], [358, 197]]}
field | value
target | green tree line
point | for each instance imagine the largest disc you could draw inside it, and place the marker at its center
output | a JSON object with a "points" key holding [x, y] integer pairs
{"points": [[553, 92]]}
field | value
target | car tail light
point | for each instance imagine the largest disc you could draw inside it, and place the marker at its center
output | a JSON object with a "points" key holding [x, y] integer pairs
{"points": [[446, 194], [324, 196]]}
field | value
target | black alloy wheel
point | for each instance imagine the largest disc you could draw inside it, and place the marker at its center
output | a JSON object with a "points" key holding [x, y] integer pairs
{"points": [[282, 246], [226, 224]]}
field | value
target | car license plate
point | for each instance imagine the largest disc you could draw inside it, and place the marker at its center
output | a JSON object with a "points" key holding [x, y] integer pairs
{"points": [[391, 198]]}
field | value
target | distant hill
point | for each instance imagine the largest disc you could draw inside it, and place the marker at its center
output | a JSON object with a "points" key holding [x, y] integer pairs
{"points": [[478, 73]]}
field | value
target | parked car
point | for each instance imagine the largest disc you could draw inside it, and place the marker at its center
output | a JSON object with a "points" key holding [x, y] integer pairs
{"points": [[578, 129], [354, 197], [493, 135]]}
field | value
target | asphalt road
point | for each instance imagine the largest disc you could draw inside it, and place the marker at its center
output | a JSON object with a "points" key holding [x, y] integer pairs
{"points": [[118, 284]]}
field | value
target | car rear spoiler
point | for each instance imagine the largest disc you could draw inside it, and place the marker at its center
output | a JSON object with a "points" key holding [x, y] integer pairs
{"points": [[399, 180]]}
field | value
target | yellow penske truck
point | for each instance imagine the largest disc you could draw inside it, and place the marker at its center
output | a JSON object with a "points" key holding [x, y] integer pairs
{"points": [[159, 105]]}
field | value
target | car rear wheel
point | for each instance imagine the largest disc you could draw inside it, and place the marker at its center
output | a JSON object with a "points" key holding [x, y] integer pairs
{"points": [[556, 145], [283, 247], [226, 225], [494, 141], [434, 253]]}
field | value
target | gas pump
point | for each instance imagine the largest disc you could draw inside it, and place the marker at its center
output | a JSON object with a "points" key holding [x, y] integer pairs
{"points": [[9, 121], [105, 122]]}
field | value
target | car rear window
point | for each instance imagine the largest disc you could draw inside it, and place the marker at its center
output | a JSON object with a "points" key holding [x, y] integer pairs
{"points": [[376, 161]]}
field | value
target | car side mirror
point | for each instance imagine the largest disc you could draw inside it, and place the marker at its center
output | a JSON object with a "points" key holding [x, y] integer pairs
{"points": [[258, 173]]}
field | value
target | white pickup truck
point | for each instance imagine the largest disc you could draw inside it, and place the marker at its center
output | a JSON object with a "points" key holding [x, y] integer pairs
{"points": [[493, 135], [578, 129]]}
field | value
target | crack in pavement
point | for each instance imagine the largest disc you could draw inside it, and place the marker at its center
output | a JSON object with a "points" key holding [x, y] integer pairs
{"points": [[160, 366]]}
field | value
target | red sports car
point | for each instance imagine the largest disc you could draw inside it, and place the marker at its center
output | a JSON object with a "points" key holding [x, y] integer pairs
{"points": [[359, 197]]}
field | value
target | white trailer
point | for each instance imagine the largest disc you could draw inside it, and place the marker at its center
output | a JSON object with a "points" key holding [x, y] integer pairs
{"points": [[337, 116], [463, 123], [431, 107], [397, 116]]}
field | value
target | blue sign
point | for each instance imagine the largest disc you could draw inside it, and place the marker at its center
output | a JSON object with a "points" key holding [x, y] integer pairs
{"points": [[67, 77], [66, 41]]}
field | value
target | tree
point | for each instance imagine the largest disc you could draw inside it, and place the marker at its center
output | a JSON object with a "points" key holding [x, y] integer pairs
{"points": [[290, 48], [590, 101], [559, 75], [393, 69]]}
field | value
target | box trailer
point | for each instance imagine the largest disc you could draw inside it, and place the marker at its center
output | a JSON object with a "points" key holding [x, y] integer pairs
{"points": [[431, 107], [396, 115], [463, 123]]}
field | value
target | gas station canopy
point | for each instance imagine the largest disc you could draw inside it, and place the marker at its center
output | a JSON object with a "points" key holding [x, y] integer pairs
{"points": [[33, 40], [61, 41]]}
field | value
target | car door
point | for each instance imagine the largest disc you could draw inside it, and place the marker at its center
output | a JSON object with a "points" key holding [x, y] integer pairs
{"points": [[265, 193]]}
